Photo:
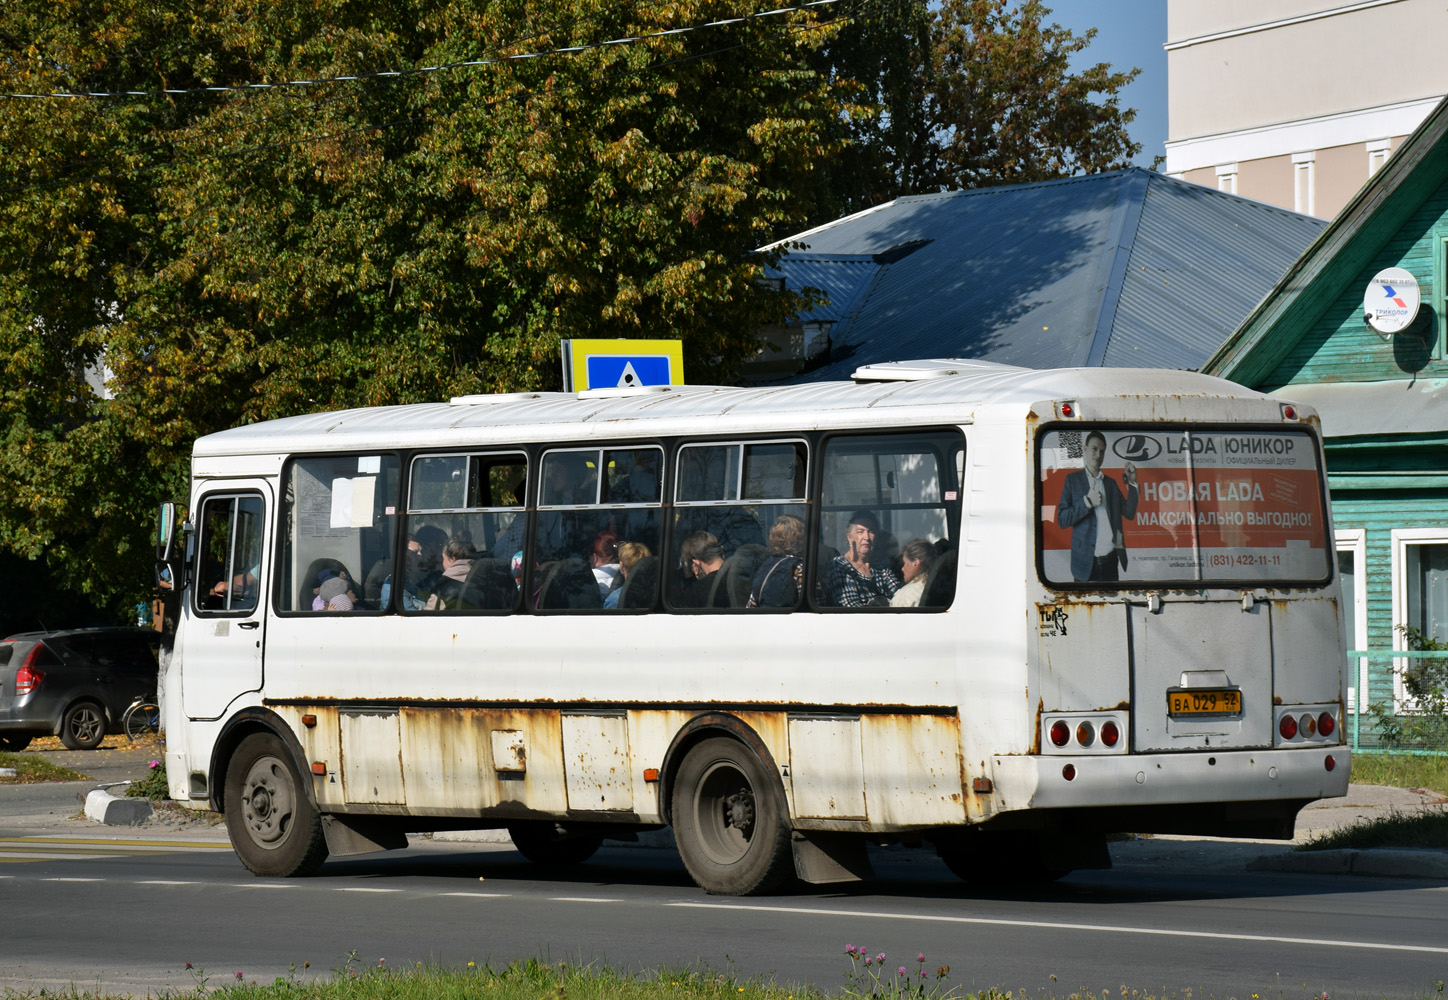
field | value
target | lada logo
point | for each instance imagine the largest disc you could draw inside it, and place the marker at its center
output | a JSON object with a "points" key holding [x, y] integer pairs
{"points": [[1136, 447]]}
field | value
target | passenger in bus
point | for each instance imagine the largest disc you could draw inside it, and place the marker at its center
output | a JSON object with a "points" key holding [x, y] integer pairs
{"points": [[916, 557], [1092, 506], [700, 558], [853, 580], [780, 579], [319, 603], [407, 600], [335, 595], [603, 555], [431, 538], [629, 553], [457, 560]]}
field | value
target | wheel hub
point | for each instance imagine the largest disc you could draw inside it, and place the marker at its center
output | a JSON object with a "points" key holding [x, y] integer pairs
{"points": [[267, 804], [739, 811]]}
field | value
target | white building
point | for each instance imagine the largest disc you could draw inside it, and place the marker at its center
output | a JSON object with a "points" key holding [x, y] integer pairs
{"points": [[1298, 102]]}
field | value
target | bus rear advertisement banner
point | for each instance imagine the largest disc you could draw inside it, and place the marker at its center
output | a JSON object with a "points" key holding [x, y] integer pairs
{"points": [[1181, 507]]}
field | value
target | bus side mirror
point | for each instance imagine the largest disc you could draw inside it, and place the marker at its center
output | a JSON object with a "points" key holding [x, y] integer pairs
{"points": [[168, 535]]}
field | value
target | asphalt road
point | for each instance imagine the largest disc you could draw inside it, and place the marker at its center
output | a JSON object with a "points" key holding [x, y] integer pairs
{"points": [[126, 909]]}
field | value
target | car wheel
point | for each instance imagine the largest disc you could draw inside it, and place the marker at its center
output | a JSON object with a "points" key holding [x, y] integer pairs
{"points": [[275, 828], [83, 726], [14, 744]]}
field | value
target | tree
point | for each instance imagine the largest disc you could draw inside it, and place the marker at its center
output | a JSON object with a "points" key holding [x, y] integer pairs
{"points": [[1010, 110], [224, 257], [973, 93]]}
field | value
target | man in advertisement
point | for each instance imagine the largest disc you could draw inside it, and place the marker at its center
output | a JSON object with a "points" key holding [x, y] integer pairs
{"points": [[1092, 506]]}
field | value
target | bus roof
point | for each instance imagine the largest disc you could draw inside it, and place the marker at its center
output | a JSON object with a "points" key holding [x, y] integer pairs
{"points": [[940, 391]]}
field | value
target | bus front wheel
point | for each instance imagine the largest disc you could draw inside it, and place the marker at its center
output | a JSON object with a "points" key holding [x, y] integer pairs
{"points": [[729, 820], [274, 827]]}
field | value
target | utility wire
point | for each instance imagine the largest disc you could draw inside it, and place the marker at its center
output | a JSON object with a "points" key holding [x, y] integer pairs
{"points": [[418, 117], [569, 50]]}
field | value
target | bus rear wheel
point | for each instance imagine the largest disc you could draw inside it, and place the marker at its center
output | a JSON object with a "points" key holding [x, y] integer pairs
{"points": [[997, 859], [274, 827], [729, 820], [545, 844]]}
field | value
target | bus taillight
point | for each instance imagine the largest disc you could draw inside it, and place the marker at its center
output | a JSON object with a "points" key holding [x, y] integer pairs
{"points": [[1109, 733], [1326, 723], [1287, 727], [1085, 734], [1060, 733], [1329, 762]]}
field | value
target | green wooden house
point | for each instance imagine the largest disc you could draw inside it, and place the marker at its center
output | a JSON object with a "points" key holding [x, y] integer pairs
{"points": [[1383, 400]]}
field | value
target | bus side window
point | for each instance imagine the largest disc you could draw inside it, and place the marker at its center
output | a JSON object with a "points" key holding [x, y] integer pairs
{"points": [[597, 532], [881, 495], [340, 524], [739, 526], [465, 534]]}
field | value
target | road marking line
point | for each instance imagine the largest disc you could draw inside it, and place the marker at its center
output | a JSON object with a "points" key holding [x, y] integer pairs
{"points": [[17, 856], [220, 845], [476, 895], [72, 880], [158, 881], [1054, 925], [261, 885], [582, 899], [365, 889]]}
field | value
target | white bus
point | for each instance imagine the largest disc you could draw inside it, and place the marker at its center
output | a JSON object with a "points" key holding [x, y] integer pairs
{"points": [[999, 611]]}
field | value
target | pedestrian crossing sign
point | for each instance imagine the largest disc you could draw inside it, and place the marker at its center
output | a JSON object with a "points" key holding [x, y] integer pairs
{"points": [[621, 364]]}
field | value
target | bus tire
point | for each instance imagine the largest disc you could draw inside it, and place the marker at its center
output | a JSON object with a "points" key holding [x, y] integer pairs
{"points": [[997, 860], [729, 820], [275, 828], [544, 844]]}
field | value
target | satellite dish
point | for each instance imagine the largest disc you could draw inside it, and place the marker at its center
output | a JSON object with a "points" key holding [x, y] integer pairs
{"points": [[1390, 304]]}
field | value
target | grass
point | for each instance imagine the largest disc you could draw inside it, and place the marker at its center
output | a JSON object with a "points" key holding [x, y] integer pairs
{"points": [[534, 980], [30, 769], [1426, 830], [1402, 770]]}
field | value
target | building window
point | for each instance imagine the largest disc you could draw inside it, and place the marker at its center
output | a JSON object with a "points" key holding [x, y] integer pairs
{"points": [[1420, 592], [1351, 555], [1227, 178], [1303, 178], [1378, 151]]}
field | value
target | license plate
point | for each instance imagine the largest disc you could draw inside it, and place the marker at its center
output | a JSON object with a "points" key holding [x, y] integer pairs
{"points": [[1204, 702]]}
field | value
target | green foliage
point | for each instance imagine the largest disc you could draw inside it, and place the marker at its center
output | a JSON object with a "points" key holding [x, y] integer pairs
{"points": [[31, 768], [221, 258], [153, 786], [1425, 680], [174, 264]]}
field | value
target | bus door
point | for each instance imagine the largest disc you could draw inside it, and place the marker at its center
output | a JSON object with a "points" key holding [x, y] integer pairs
{"points": [[221, 657]]}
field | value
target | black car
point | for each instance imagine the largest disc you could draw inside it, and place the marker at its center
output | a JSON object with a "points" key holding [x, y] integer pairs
{"points": [[75, 683]]}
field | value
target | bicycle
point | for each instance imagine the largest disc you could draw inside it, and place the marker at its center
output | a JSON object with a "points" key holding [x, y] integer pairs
{"points": [[142, 716]]}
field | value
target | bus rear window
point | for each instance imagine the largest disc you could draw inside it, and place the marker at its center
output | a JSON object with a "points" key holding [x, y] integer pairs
{"points": [[1128, 506]]}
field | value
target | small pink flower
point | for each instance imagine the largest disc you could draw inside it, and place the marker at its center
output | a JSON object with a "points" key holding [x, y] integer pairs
{"points": [[238, 974], [920, 957], [867, 959], [188, 965], [922, 973], [849, 949], [154, 764], [903, 971], [880, 958]]}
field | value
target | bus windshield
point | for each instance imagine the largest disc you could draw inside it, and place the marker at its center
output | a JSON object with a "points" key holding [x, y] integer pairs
{"points": [[1123, 506]]}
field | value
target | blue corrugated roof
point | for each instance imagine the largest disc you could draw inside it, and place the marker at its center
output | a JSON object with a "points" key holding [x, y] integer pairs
{"points": [[1124, 269]]}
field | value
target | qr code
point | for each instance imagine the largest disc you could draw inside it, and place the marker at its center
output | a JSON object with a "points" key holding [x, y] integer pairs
{"points": [[1070, 444]]}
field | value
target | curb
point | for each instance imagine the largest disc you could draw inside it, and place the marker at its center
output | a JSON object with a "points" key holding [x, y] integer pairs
{"points": [[112, 810], [1384, 862]]}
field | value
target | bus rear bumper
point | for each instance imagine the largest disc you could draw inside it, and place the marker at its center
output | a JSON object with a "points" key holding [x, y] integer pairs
{"points": [[1177, 792]]}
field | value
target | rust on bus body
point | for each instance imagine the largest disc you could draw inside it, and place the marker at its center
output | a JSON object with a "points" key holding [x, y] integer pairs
{"points": [[904, 768]]}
